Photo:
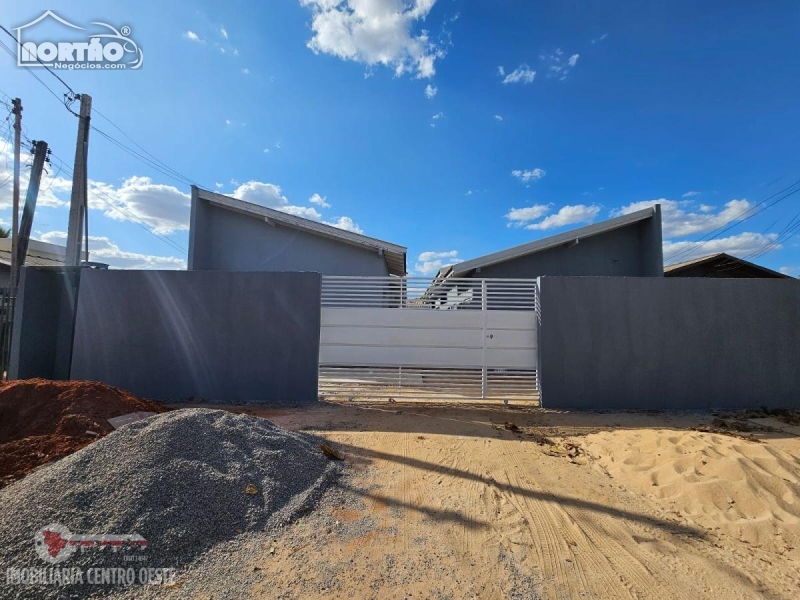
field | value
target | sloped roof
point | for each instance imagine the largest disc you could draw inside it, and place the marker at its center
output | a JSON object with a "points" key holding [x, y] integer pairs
{"points": [[728, 262], [464, 268], [394, 254], [40, 254]]}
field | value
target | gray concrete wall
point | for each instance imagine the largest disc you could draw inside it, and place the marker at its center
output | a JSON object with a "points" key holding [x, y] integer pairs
{"points": [[224, 240], [669, 343], [219, 336], [41, 344], [630, 251]]}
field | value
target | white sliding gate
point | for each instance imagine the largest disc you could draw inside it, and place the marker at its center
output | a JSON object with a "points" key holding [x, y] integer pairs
{"points": [[387, 337]]}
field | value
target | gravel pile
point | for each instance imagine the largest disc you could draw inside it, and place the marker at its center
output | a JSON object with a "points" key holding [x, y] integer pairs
{"points": [[184, 481]]}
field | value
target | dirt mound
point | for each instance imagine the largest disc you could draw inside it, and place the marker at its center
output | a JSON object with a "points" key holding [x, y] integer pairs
{"points": [[43, 420]]}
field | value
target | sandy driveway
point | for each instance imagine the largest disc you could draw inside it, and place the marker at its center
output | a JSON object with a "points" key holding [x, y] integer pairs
{"points": [[445, 502]]}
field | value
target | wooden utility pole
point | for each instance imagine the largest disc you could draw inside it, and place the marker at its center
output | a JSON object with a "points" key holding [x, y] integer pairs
{"points": [[17, 110], [39, 158], [78, 208]]}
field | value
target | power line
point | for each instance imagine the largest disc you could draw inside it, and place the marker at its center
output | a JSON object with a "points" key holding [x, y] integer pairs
{"points": [[158, 161], [106, 199], [785, 234], [66, 99], [147, 158], [167, 172], [49, 70], [738, 219]]}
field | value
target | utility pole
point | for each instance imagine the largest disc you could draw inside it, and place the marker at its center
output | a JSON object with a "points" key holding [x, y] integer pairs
{"points": [[78, 209], [17, 110], [40, 152]]}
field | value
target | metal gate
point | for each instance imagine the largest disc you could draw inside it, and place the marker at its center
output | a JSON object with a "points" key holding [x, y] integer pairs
{"points": [[385, 337]]}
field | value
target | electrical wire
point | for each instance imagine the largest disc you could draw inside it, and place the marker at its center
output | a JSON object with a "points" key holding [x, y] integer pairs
{"points": [[70, 97], [106, 199], [49, 70], [738, 219], [66, 99]]}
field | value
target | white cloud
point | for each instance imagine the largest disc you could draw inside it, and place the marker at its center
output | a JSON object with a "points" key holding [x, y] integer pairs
{"points": [[228, 122], [498, 118], [163, 208], [270, 195], [501, 70], [218, 185], [790, 271], [102, 249], [528, 175], [522, 74], [258, 192], [517, 217], [266, 150], [737, 245], [319, 201], [347, 224], [431, 91], [429, 263], [375, 32], [567, 215], [679, 219], [245, 71], [690, 194], [600, 39], [191, 35], [307, 212], [558, 64], [223, 32], [54, 190]]}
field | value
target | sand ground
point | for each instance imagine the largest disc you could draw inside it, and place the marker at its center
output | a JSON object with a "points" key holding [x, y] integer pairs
{"points": [[445, 501]]}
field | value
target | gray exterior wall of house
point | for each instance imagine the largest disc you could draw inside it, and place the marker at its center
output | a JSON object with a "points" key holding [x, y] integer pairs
{"points": [[630, 251], [224, 240], [218, 336], [669, 343]]}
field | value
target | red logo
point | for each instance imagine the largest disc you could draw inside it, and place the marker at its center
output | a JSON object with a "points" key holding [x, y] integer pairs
{"points": [[55, 543]]}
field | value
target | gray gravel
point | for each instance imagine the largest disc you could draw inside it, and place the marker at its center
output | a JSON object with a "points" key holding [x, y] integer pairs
{"points": [[177, 479]]}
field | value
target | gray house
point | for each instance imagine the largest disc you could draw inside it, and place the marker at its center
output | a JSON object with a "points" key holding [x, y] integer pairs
{"points": [[227, 234], [626, 246], [722, 266]]}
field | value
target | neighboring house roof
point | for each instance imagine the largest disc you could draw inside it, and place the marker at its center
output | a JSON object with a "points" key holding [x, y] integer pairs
{"points": [[394, 255], [722, 262], [40, 254], [464, 268]]}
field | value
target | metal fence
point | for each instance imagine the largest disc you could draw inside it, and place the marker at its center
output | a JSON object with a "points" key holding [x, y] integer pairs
{"points": [[7, 301], [422, 293], [413, 337]]}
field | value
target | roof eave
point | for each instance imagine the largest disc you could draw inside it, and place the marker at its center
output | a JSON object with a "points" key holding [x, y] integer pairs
{"points": [[395, 264], [463, 268]]}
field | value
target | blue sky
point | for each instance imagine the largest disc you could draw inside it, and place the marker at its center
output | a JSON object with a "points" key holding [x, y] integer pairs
{"points": [[453, 127]]}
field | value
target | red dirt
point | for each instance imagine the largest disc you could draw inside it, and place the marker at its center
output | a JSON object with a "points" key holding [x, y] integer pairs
{"points": [[42, 420]]}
